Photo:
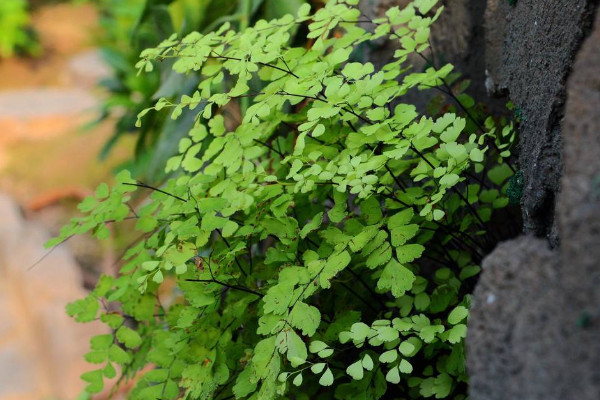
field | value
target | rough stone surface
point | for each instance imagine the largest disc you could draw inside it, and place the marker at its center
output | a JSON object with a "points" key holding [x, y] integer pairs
{"points": [[41, 348], [581, 186], [512, 305], [579, 224], [456, 38], [535, 322], [531, 46]]}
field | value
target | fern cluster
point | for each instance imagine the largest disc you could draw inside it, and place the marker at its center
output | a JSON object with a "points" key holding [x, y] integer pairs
{"points": [[324, 245]]}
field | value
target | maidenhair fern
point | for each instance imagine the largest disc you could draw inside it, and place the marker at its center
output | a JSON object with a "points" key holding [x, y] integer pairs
{"points": [[323, 246]]}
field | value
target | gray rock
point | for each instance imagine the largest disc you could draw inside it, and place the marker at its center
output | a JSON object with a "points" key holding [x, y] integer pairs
{"points": [[508, 326], [530, 51], [538, 338], [456, 38], [579, 223]]}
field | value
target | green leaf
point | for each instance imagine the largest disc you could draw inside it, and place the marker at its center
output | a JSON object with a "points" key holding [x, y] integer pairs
{"points": [[440, 386], [402, 234], [360, 331], [499, 174], [396, 278], [296, 352], [425, 6], [243, 384], [146, 224], [305, 317], [367, 362], [113, 320], [229, 228], [380, 256], [400, 219], [476, 155], [84, 310], [278, 298], [409, 252], [428, 333], [338, 212], [359, 241], [96, 357], [297, 380], [101, 342], [327, 378], [422, 301], [283, 377], [371, 210], [158, 277], [316, 346], [128, 337], [356, 370], [357, 70], [457, 315], [388, 356], [102, 191], [263, 355], [407, 348], [210, 222], [118, 355], [453, 132], [387, 334], [335, 263], [313, 225], [319, 130], [469, 272], [393, 376], [317, 368], [95, 380], [449, 180], [304, 10], [405, 367], [325, 353], [109, 371], [457, 333]]}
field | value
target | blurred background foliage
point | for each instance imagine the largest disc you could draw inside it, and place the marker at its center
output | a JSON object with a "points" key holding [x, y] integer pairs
{"points": [[128, 27], [16, 36], [133, 25]]}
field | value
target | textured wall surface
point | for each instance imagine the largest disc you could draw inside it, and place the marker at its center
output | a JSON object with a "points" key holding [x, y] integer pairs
{"points": [[530, 50], [456, 38], [508, 326], [535, 322]]}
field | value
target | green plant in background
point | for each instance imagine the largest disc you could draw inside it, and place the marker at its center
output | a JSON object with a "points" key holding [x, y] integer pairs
{"points": [[132, 26], [15, 36], [321, 246]]}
